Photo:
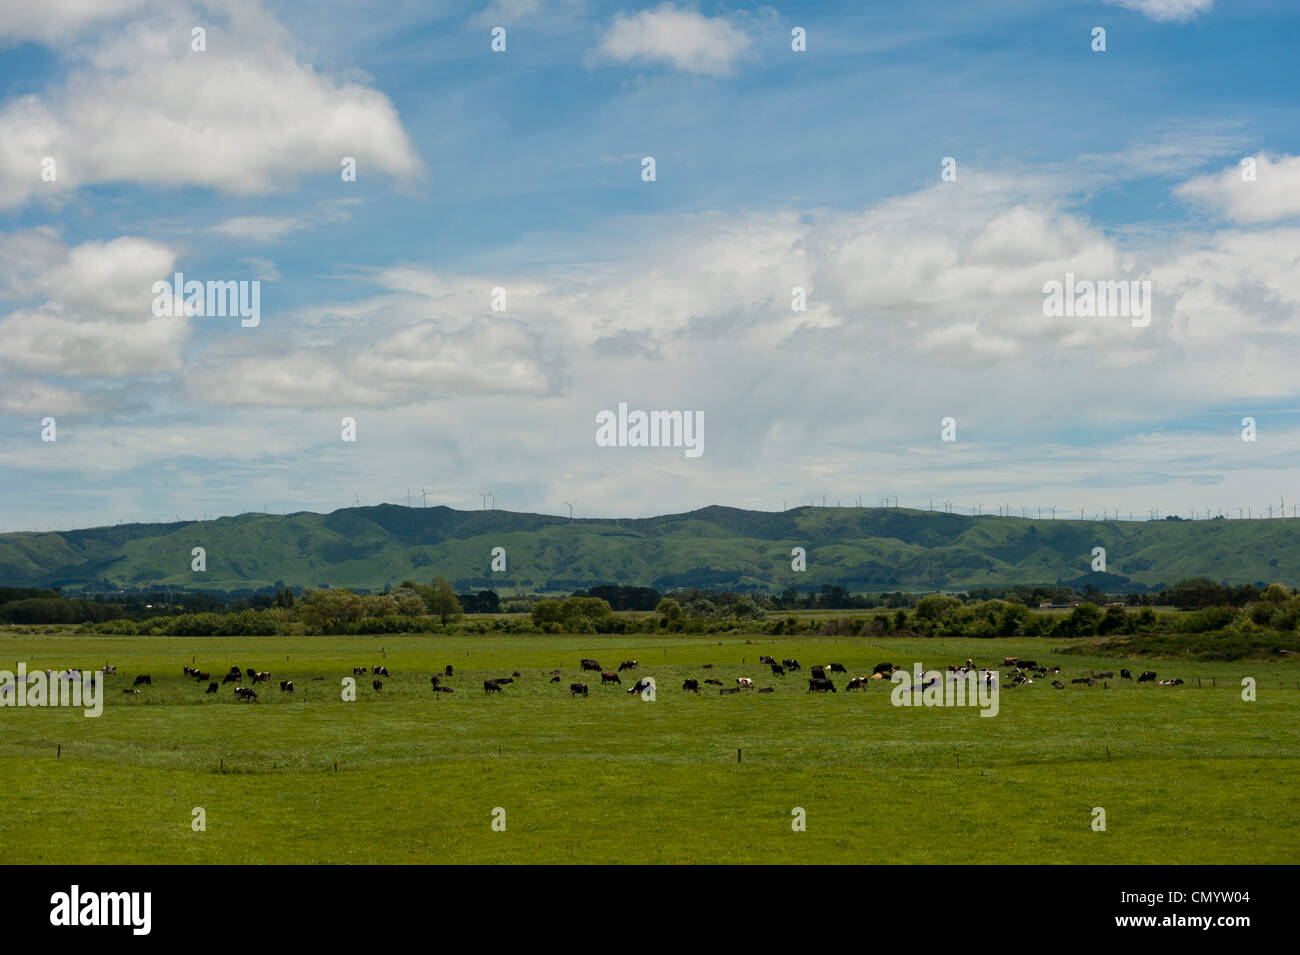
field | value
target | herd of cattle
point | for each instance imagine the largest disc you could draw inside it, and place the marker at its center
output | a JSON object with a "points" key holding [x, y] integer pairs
{"points": [[1016, 673]]}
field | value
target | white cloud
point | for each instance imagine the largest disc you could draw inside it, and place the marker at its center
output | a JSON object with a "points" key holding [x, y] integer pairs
{"points": [[1179, 11], [246, 117], [682, 38], [1273, 195], [92, 315]]}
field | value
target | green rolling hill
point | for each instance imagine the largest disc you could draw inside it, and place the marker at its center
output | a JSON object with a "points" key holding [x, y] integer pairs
{"points": [[862, 549]]}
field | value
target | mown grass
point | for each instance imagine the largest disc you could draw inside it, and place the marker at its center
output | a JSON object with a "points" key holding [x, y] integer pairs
{"points": [[1186, 774]]}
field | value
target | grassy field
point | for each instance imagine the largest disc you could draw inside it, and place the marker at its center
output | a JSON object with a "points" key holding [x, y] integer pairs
{"points": [[1188, 774]]}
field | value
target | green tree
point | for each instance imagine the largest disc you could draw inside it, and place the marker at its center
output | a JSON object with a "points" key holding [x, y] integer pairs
{"points": [[444, 603]]}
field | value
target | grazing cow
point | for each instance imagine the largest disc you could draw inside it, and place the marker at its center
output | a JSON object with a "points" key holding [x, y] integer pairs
{"points": [[1125, 675], [143, 680], [379, 671], [734, 689], [884, 668], [778, 670], [189, 670], [359, 671], [378, 685], [491, 686], [447, 672], [251, 673], [244, 693], [609, 678], [836, 668], [744, 683], [1058, 685], [212, 687], [1147, 676], [791, 664], [822, 685], [714, 682], [286, 686], [627, 665], [577, 689], [232, 678], [202, 677], [261, 677], [692, 685], [555, 679], [768, 689], [858, 683], [763, 658], [590, 665], [645, 683], [818, 673], [109, 671]]}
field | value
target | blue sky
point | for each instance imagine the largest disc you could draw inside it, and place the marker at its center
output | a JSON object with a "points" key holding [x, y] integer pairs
{"points": [[522, 170]]}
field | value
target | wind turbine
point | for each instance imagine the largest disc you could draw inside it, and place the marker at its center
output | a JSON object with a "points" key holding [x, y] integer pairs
{"points": [[571, 503], [424, 497], [356, 496], [483, 494], [408, 497]]}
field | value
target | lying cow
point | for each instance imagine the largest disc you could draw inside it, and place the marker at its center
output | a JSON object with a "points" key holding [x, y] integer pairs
{"points": [[1147, 676], [734, 689], [442, 689], [109, 670], [1171, 682], [768, 689], [836, 668], [714, 682], [744, 683], [577, 689], [286, 686]]}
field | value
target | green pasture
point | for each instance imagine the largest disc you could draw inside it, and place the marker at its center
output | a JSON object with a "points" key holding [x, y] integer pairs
{"points": [[1188, 774]]}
